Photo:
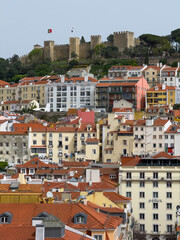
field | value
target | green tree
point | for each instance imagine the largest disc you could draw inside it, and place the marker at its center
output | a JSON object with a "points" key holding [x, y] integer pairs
{"points": [[110, 38], [110, 52], [175, 35], [82, 40], [36, 55], [74, 55]]}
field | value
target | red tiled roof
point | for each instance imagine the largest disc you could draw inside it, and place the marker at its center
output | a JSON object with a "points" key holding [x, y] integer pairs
{"points": [[36, 163], [160, 88], [77, 79], [162, 155], [115, 197], [99, 186], [173, 129], [92, 140], [126, 67], [76, 164], [23, 214], [87, 117], [9, 232], [122, 110], [2, 83], [129, 161], [106, 209]]}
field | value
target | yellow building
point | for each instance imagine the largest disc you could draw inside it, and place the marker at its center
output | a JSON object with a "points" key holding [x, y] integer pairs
{"points": [[161, 95]]}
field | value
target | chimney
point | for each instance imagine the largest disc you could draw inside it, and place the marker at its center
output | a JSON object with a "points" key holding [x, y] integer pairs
{"points": [[62, 78], [40, 232], [86, 77]]}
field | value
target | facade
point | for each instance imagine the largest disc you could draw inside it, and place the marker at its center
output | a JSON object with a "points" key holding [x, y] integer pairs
{"points": [[131, 89], [161, 95], [13, 147], [65, 143], [153, 185], [126, 71], [153, 73], [169, 76], [70, 93], [171, 140]]}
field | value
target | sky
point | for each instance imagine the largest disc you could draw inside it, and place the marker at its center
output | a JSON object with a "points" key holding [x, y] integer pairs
{"points": [[24, 23]]}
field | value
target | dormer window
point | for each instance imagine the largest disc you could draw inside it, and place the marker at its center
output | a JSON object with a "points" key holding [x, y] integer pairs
{"points": [[6, 218], [80, 218]]}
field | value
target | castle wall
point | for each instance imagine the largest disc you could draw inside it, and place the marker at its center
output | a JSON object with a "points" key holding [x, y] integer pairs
{"points": [[108, 44], [74, 46], [84, 50], [95, 40], [123, 40], [49, 50], [61, 52]]}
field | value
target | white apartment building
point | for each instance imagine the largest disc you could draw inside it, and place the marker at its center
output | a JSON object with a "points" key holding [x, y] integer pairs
{"points": [[126, 71], [76, 92], [153, 185], [149, 136]]}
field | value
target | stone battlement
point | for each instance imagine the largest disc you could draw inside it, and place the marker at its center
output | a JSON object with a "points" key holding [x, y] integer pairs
{"points": [[122, 40]]}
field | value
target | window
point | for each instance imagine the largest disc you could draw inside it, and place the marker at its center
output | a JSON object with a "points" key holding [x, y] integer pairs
{"points": [[160, 145], [160, 136], [169, 194], [155, 228], [172, 136], [155, 175], [6, 218], [168, 184], [66, 139], [154, 136], [43, 142], [93, 151], [60, 135], [34, 134], [141, 216], [141, 205], [50, 135], [128, 175], [142, 227], [124, 142], [160, 128], [142, 145], [155, 194], [155, 216], [166, 136], [142, 194], [7, 144], [154, 145], [169, 216], [98, 237], [155, 184], [142, 175], [34, 142], [169, 205], [169, 228], [169, 175], [141, 184], [155, 205], [128, 184], [66, 147], [136, 144], [142, 129], [128, 194], [80, 218], [154, 129]]}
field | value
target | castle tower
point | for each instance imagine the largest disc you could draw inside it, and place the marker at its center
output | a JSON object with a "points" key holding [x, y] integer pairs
{"points": [[123, 40], [95, 40], [74, 43], [49, 50]]}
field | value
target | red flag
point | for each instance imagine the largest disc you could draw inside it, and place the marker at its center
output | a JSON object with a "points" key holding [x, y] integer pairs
{"points": [[50, 30]]}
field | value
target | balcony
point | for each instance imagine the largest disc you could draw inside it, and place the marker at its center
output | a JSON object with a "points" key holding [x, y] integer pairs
{"points": [[19, 91], [60, 146], [60, 154], [50, 146], [13, 93], [50, 154], [82, 137]]}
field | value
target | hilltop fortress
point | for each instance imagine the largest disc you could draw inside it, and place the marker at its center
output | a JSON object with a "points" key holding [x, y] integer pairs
{"points": [[82, 50]]}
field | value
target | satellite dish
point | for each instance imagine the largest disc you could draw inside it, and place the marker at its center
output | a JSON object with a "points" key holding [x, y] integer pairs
{"points": [[49, 194]]}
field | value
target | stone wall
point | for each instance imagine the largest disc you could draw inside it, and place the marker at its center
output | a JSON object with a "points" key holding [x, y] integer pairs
{"points": [[61, 52], [84, 50]]}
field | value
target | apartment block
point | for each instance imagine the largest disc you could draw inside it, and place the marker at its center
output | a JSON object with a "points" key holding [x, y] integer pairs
{"points": [[131, 89], [153, 185], [75, 92], [126, 71]]}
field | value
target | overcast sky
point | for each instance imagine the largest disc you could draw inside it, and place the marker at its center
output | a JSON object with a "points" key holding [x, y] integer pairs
{"points": [[24, 23]]}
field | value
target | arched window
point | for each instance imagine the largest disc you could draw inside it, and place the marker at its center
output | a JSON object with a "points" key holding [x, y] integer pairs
{"points": [[44, 214], [80, 218], [6, 218]]}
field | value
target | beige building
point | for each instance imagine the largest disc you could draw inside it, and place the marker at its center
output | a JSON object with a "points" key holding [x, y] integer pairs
{"points": [[152, 74], [153, 185], [65, 143]]}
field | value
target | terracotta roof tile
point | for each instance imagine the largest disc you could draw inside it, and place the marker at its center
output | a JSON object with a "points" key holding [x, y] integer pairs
{"points": [[115, 197]]}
